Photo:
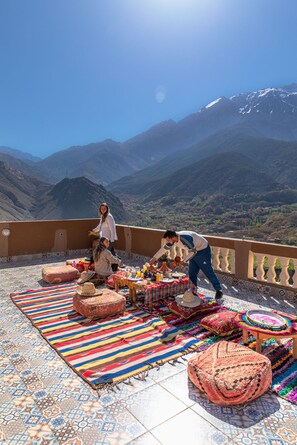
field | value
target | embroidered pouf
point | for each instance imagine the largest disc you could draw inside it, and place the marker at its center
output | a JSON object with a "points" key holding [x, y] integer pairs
{"points": [[230, 374], [101, 306], [59, 274]]}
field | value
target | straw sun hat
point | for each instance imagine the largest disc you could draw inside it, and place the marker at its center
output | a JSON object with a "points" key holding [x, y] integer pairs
{"points": [[188, 299], [88, 290]]}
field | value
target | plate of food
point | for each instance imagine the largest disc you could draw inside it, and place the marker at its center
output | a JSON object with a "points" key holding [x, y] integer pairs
{"points": [[178, 275], [134, 278], [266, 319], [167, 280]]}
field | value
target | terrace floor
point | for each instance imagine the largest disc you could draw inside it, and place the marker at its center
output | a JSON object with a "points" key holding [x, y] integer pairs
{"points": [[163, 409]]}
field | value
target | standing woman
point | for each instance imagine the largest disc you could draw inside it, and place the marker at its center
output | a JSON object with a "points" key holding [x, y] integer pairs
{"points": [[106, 226]]}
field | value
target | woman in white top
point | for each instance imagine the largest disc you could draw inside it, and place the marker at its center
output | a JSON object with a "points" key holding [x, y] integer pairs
{"points": [[106, 226], [103, 258]]}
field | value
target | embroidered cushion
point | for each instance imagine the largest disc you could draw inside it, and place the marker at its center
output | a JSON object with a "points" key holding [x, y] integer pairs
{"points": [[230, 374], [188, 312], [220, 323], [59, 274]]}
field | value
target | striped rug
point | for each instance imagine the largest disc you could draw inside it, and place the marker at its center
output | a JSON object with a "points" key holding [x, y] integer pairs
{"points": [[115, 349], [106, 351]]}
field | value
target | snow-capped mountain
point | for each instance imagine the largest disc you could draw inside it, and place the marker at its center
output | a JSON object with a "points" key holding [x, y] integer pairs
{"points": [[270, 100], [269, 113]]}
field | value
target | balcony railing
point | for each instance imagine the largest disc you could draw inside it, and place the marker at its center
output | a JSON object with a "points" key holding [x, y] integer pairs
{"points": [[252, 261]]}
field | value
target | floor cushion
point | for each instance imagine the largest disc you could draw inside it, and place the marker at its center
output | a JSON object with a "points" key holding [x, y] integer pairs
{"points": [[221, 323], [188, 312], [59, 274], [101, 306], [230, 374], [73, 261]]}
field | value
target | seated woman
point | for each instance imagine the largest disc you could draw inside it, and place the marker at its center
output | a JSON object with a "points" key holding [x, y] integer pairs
{"points": [[103, 258]]}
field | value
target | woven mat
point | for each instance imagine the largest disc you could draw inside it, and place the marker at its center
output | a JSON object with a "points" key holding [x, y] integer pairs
{"points": [[114, 349], [104, 351]]}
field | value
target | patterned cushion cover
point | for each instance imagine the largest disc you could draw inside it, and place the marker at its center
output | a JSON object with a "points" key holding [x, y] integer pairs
{"points": [[188, 312], [230, 374], [220, 323], [59, 274]]}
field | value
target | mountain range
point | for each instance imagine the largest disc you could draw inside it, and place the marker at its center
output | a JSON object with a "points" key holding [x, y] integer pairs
{"points": [[245, 144], [268, 113], [24, 197]]}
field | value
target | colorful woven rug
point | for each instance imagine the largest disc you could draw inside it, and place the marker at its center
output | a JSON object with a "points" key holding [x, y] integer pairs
{"points": [[103, 351], [112, 350], [284, 367]]}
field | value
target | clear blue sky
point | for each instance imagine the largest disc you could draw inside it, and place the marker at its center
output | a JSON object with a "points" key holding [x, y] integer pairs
{"points": [[79, 71]]}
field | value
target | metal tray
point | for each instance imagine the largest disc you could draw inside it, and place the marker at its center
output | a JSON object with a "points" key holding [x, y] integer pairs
{"points": [[266, 319], [167, 280], [178, 275]]}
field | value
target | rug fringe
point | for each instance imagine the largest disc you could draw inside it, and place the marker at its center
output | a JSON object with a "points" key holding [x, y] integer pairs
{"points": [[141, 376], [128, 382]]}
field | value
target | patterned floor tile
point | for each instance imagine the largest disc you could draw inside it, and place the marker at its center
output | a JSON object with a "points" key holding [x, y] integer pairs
{"points": [[232, 419]]}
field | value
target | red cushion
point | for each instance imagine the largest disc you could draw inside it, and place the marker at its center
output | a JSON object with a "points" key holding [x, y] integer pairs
{"points": [[188, 312], [220, 323]]}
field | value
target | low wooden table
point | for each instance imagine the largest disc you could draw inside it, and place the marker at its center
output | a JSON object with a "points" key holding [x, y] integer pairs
{"points": [[153, 291], [261, 333], [272, 334]]}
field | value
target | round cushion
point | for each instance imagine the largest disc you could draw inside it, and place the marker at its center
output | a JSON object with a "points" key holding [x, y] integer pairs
{"points": [[230, 374]]}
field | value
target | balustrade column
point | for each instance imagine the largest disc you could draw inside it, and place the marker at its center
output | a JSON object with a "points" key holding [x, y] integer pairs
{"points": [[271, 276], [260, 273], [216, 259], [284, 275], [224, 253]]}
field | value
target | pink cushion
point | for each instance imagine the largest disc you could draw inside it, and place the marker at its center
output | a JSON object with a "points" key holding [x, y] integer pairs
{"points": [[220, 323], [188, 312], [230, 374], [59, 274], [101, 306]]}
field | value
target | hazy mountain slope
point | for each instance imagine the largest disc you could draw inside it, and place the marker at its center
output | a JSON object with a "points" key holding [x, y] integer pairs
{"points": [[268, 113], [23, 197], [76, 198], [277, 157], [26, 167], [230, 172], [19, 154], [100, 162], [18, 193]]}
